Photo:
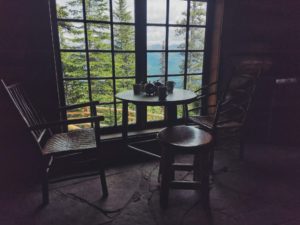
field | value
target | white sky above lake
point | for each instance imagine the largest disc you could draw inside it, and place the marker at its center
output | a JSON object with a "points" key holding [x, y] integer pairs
{"points": [[156, 13]]}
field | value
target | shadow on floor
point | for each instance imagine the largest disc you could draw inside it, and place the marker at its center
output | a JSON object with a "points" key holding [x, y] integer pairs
{"points": [[264, 189]]}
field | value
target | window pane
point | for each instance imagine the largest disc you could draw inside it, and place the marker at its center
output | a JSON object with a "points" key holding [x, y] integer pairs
{"points": [[156, 63], [124, 84], [196, 38], [123, 11], [73, 64], [76, 91], [102, 90], [198, 13], [108, 112], [97, 10], [177, 38], [82, 112], [178, 12], [156, 11], [100, 64], [125, 64], [155, 113], [194, 82], [99, 36], [195, 62], [69, 9], [179, 111], [179, 81], [131, 114], [196, 111], [176, 63], [76, 114], [156, 37], [124, 37], [71, 35]]}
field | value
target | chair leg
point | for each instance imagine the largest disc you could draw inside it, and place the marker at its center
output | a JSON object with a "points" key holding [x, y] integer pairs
{"points": [[205, 164], [185, 114], [45, 187], [211, 160], [159, 171], [172, 171], [103, 183], [166, 163], [197, 167]]}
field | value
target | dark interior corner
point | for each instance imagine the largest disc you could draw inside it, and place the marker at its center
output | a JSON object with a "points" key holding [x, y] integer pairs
{"points": [[262, 189]]}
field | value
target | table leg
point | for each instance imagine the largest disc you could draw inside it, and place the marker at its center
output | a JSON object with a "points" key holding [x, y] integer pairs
{"points": [[125, 121], [171, 114]]}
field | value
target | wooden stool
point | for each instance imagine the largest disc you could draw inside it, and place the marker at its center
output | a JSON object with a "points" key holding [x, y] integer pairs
{"points": [[184, 140]]}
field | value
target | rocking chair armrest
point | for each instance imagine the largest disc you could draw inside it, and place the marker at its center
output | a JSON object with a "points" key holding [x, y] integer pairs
{"points": [[207, 86], [200, 107], [69, 107], [67, 122], [221, 122], [232, 108], [206, 95]]}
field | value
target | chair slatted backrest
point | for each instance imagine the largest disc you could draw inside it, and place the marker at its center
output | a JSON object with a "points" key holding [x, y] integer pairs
{"points": [[237, 96], [27, 111]]}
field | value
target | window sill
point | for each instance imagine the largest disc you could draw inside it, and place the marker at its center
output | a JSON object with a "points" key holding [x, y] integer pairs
{"points": [[131, 134]]}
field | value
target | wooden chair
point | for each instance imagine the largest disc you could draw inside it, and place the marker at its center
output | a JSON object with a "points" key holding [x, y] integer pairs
{"points": [[184, 140], [229, 114], [53, 144]]}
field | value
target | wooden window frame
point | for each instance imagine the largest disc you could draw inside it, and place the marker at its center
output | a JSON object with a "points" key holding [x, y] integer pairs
{"points": [[140, 24]]}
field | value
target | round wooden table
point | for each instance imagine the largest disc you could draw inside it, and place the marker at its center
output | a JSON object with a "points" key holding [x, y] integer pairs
{"points": [[178, 97]]}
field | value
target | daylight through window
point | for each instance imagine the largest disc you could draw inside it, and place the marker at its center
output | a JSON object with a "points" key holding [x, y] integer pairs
{"points": [[97, 51]]}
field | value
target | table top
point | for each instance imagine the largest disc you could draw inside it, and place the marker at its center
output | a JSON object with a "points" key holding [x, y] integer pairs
{"points": [[179, 96]]}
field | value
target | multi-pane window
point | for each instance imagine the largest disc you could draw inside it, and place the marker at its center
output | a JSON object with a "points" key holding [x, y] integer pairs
{"points": [[97, 50]]}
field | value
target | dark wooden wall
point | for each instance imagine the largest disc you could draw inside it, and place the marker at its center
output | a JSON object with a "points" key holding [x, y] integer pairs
{"points": [[266, 30], [25, 56], [263, 27]]}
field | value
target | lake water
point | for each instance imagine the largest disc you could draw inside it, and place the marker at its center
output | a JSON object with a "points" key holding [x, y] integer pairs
{"points": [[174, 63]]}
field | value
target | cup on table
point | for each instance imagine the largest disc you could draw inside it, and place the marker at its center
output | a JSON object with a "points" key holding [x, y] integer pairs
{"points": [[162, 92], [137, 89], [170, 86], [143, 83]]}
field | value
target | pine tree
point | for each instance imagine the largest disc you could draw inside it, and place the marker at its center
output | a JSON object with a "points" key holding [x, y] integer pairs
{"points": [[74, 64], [124, 40], [195, 42]]}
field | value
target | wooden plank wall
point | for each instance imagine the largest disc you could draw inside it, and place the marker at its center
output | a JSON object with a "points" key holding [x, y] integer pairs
{"points": [[263, 29], [25, 56]]}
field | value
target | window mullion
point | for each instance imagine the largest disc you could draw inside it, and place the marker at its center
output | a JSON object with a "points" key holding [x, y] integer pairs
{"points": [[113, 59], [87, 55], [167, 40], [187, 43], [141, 54], [167, 48], [87, 50]]}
